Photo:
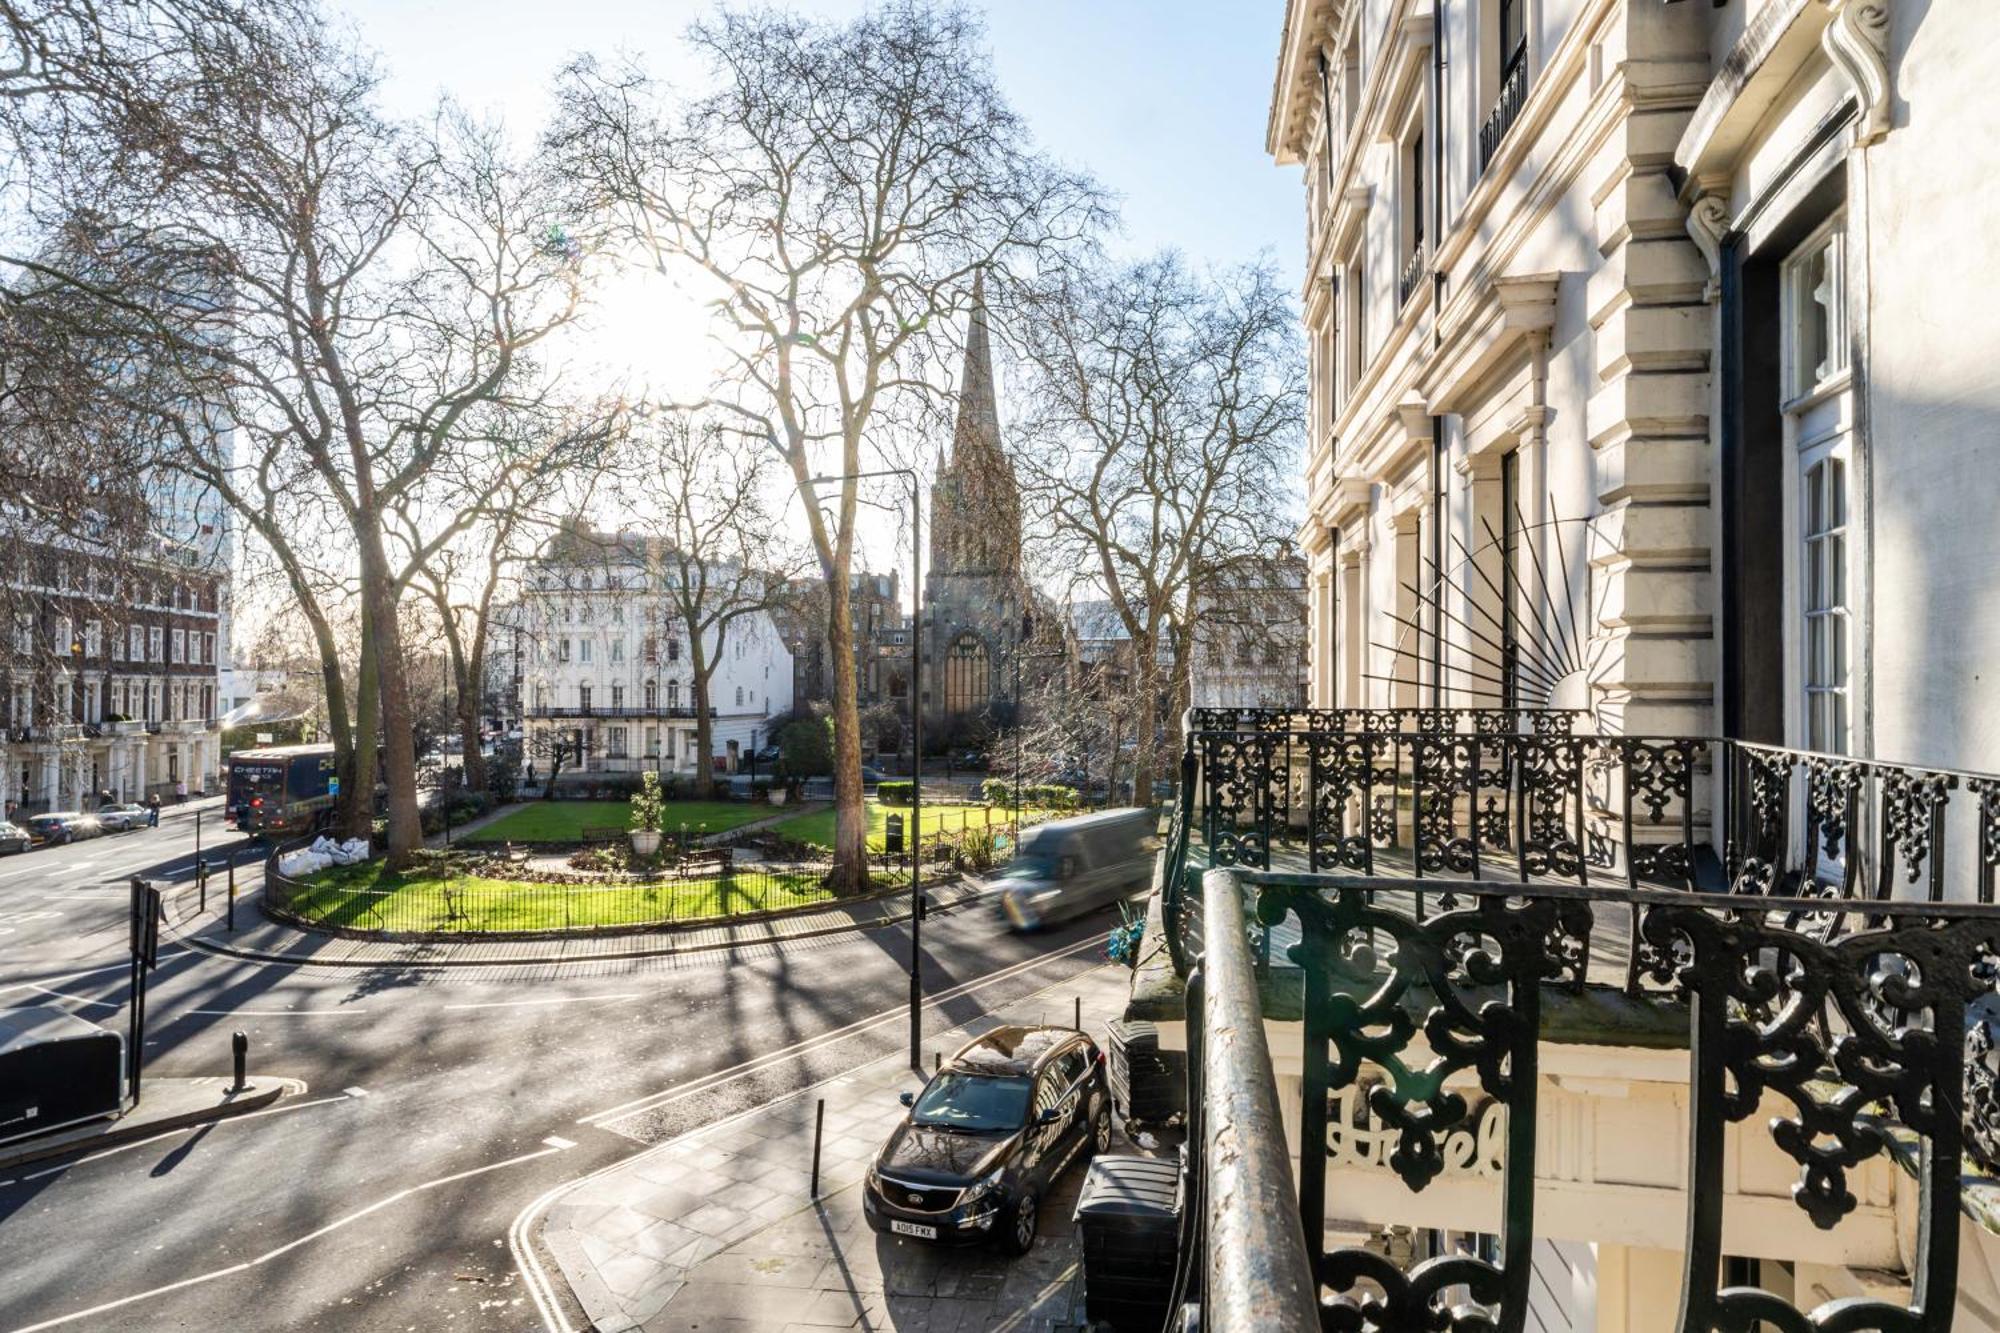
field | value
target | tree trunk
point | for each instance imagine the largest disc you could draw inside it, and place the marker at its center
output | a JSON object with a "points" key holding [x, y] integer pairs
{"points": [[357, 806], [399, 753], [704, 728], [850, 811], [704, 743], [471, 694], [1145, 723]]}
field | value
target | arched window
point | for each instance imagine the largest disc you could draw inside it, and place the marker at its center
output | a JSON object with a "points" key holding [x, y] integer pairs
{"points": [[967, 675], [652, 695]]}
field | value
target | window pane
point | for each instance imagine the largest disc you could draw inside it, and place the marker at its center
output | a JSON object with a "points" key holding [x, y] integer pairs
{"points": [[1836, 570], [1815, 575], [1836, 492], [1817, 656]]}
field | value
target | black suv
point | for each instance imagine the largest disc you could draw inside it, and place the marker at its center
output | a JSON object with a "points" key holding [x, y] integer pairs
{"points": [[993, 1127]]}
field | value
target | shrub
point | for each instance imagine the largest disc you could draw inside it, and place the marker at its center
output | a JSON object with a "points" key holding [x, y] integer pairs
{"points": [[896, 793], [997, 791], [760, 789], [503, 772], [805, 748], [648, 805]]}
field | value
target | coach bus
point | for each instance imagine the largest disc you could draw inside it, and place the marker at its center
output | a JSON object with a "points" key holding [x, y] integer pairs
{"points": [[283, 789]]}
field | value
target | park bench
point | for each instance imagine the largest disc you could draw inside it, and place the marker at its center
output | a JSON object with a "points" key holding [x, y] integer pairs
{"points": [[707, 859]]}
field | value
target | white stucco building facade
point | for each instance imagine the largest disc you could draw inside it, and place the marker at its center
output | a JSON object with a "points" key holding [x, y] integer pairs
{"points": [[1652, 373], [597, 654]]}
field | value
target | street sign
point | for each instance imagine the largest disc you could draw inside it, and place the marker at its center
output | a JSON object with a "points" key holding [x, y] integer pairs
{"points": [[146, 915], [333, 786], [264, 738]]}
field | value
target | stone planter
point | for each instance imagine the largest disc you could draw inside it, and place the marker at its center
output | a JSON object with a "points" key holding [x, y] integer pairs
{"points": [[645, 841], [777, 796]]}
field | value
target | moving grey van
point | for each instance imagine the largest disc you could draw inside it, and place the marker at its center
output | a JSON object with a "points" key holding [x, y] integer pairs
{"points": [[1069, 867]]}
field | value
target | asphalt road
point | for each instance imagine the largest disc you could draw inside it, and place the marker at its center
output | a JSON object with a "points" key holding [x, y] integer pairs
{"points": [[440, 1101]]}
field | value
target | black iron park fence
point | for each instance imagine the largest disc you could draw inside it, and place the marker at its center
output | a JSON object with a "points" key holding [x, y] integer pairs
{"points": [[1427, 887]]}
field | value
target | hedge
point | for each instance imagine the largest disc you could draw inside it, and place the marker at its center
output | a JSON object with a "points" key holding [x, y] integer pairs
{"points": [[896, 793], [1046, 796]]}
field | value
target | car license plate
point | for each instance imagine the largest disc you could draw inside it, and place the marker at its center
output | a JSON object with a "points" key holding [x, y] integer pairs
{"points": [[917, 1229]]}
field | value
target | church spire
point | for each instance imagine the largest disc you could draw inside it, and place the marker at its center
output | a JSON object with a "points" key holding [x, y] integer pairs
{"points": [[977, 439], [975, 504]]}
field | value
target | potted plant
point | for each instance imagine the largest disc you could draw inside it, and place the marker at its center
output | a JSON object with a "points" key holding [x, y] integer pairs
{"points": [[648, 809]]}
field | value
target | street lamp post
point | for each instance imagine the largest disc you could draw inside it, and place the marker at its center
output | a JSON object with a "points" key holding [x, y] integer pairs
{"points": [[916, 749]]}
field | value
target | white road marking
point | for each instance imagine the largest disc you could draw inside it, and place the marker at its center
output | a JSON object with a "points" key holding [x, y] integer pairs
{"points": [[79, 999], [287, 1247], [542, 1288], [557, 1141], [355, 1092], [722, 1076], [560, 999], [184, 1129], [165, 958], [276, 1013]]}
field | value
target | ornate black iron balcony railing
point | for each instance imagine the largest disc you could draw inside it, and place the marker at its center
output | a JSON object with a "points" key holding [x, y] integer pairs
{"points": [[1478, 793], [1412, 274], [1851, 1036], [1506, 106]]}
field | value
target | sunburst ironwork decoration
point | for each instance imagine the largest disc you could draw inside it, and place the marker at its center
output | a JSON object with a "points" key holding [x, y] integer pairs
{"points": [[1512, 630]]}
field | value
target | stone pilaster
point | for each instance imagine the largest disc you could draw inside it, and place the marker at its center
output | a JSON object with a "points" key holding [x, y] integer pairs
{"points": [[1652, 613]]}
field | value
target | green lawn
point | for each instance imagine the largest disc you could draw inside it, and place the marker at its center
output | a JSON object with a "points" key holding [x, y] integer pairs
{"points": [[564, 821], [817, 828], [368, 897]]}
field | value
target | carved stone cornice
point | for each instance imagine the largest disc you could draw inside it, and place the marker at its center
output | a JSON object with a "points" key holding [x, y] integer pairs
{"points": [[1481, 466], [1528, 301], [1350, 495], [1511, 312], [1857, 41]]}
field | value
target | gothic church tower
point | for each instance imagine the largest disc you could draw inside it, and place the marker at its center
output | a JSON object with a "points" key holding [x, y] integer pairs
{"points": [[973, 598]]}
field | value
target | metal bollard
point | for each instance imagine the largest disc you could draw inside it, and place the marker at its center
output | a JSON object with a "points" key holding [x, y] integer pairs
{"points": [[232, 905], [201, 884], [819, 1127], [1078, 1024], [239, 1050]]}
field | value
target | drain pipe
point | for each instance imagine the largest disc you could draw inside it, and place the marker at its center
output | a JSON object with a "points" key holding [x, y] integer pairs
{"points": [[1441, 123]]}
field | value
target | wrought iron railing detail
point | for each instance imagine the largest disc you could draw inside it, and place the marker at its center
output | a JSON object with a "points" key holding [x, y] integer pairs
{"points": [[1857, 1041], [1461, 794], [1506, 107], [1412, 274]]}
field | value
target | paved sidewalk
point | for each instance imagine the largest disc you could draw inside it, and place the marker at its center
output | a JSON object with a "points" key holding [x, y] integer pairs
{"points": [[165, 1104], [716, 1230], [259, 937]]}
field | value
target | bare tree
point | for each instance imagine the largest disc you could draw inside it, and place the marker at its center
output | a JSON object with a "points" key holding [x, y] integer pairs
{"points": [[344, 290], [718, 546], [492, 503], [834, 193], [1161, 415]]}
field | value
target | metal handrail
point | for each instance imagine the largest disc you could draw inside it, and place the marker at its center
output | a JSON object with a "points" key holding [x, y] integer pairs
{"points": [[1892, 1047], [1258, 1275]]}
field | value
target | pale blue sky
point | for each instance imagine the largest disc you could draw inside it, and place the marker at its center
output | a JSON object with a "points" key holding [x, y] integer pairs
{"points": [[1164, 100]]}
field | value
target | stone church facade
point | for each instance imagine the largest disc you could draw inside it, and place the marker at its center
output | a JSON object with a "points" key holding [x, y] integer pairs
{"points": [[974, 596]]}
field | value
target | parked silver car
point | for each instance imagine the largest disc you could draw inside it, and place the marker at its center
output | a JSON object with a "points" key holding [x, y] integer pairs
{"points": [[123, 818]]}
